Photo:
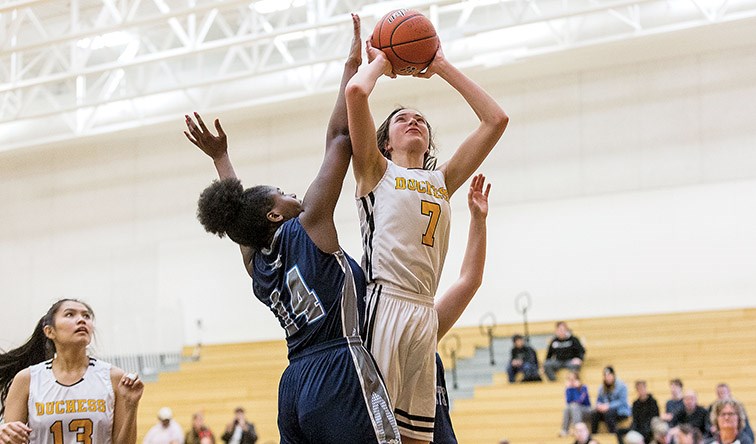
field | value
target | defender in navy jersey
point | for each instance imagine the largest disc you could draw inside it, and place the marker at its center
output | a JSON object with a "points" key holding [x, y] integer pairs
{"points": [[332, 391]]}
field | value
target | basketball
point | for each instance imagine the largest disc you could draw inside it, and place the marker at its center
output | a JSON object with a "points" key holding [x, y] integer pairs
{"points": [[407, 38]]}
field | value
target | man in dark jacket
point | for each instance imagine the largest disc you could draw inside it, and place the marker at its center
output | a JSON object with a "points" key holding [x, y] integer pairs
{"points": [[692, 413], [565, 351], [644, 409], [239, 431], [523, 360]]}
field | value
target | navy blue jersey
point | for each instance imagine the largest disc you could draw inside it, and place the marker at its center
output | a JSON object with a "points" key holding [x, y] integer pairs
{"points": [[305, 288], [332, 391], [443, 432]]}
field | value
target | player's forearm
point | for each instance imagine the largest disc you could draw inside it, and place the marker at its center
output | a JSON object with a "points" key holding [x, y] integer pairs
{"points": [[126, 433], [485, 107], [474, 260], [363, 82], [338, 123], [224, 167]]}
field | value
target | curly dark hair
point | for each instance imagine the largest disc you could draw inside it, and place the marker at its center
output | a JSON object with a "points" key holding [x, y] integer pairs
{"points": [[225, 208], [382, 136]]}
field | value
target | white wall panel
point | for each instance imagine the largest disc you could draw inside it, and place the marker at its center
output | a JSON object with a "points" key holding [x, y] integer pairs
{"points": [[622, 186]]}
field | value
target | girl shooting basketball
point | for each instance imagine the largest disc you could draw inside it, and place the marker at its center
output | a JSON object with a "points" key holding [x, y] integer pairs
{"points": [[52, 391], [404, 211], [331, 392]]}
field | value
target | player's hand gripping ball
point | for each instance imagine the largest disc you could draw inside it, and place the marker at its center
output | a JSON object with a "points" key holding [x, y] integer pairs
{"points": [[408, 39]]}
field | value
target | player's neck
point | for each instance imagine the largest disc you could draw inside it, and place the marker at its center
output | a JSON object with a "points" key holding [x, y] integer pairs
{"points": [[408, 160], [70, 359]]}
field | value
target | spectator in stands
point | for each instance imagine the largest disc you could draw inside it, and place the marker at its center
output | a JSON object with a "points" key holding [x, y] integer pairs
{"points": [[660, 429], [644, 409], [723, 392], [611, 403], [633, 437], [565, 351], [199, 433], [523, 360], [239, 431], [582, 435], [166, 431], [728, 418], [687, 434], [692, 413], [578, 407], [675, 403]]}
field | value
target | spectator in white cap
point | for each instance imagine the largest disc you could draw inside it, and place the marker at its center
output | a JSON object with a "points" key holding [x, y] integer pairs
{"points": [[166, 431]]}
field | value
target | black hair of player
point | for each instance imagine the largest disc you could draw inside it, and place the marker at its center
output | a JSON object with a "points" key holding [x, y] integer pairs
{"points": [[225, 208]]}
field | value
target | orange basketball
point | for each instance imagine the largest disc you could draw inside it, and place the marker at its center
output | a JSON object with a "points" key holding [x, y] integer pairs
{"points": [[407, 38]]}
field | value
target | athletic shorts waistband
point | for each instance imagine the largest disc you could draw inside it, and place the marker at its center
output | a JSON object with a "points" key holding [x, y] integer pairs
{"points": [[398, 293], [333, 343]]}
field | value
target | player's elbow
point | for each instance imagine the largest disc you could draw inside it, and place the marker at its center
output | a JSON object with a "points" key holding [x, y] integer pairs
{"points": [[356, 92], [471, 282], [499, 120]]}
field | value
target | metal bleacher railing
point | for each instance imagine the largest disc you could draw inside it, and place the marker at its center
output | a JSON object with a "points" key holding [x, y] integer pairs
{"points": [[148, 366]]}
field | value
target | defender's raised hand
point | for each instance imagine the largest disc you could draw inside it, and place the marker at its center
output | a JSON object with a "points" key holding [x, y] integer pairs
{"points": [[212, 145]]}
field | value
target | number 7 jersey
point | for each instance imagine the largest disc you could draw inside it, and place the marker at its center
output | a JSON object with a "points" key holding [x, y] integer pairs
{"points": [[405, 222], [71, 414]]}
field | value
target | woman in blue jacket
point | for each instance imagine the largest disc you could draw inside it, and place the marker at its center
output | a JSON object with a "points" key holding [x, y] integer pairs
{"points": [[611, 403]]}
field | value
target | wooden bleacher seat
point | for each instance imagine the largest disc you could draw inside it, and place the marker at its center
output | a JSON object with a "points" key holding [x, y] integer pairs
{"points": [[701, 348]]}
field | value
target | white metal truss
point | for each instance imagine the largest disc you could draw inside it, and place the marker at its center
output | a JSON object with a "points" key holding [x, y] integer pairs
{"points": [[71, 68]]}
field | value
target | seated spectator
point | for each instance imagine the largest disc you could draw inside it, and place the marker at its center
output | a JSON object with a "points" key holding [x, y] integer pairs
{"points": [[578, 406], [199, 433], [660, 429], [675, 403], [611, 403], [692, 413], [644, 409], [633, 437], [523, 360], [687, 434], [239, 431], [166, 431], [565, 351], [723, 392], [582, 435], [728, 418]]}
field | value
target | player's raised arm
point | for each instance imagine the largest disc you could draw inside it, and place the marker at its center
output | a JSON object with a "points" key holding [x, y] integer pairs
{"points": [[216, 147], [323, 193], [493, 121], [368, 162], [451, 304]]}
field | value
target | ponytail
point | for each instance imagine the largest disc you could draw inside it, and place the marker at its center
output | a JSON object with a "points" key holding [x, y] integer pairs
{"points": [[37, 349]]}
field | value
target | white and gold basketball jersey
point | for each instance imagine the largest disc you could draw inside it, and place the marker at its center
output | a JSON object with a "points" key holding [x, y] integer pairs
{"points": [[71, 414], [405, 229]]}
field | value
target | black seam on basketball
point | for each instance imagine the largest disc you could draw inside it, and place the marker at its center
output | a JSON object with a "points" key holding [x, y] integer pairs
{"points": [[396, 27], [413, 41], [380, 30]]}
